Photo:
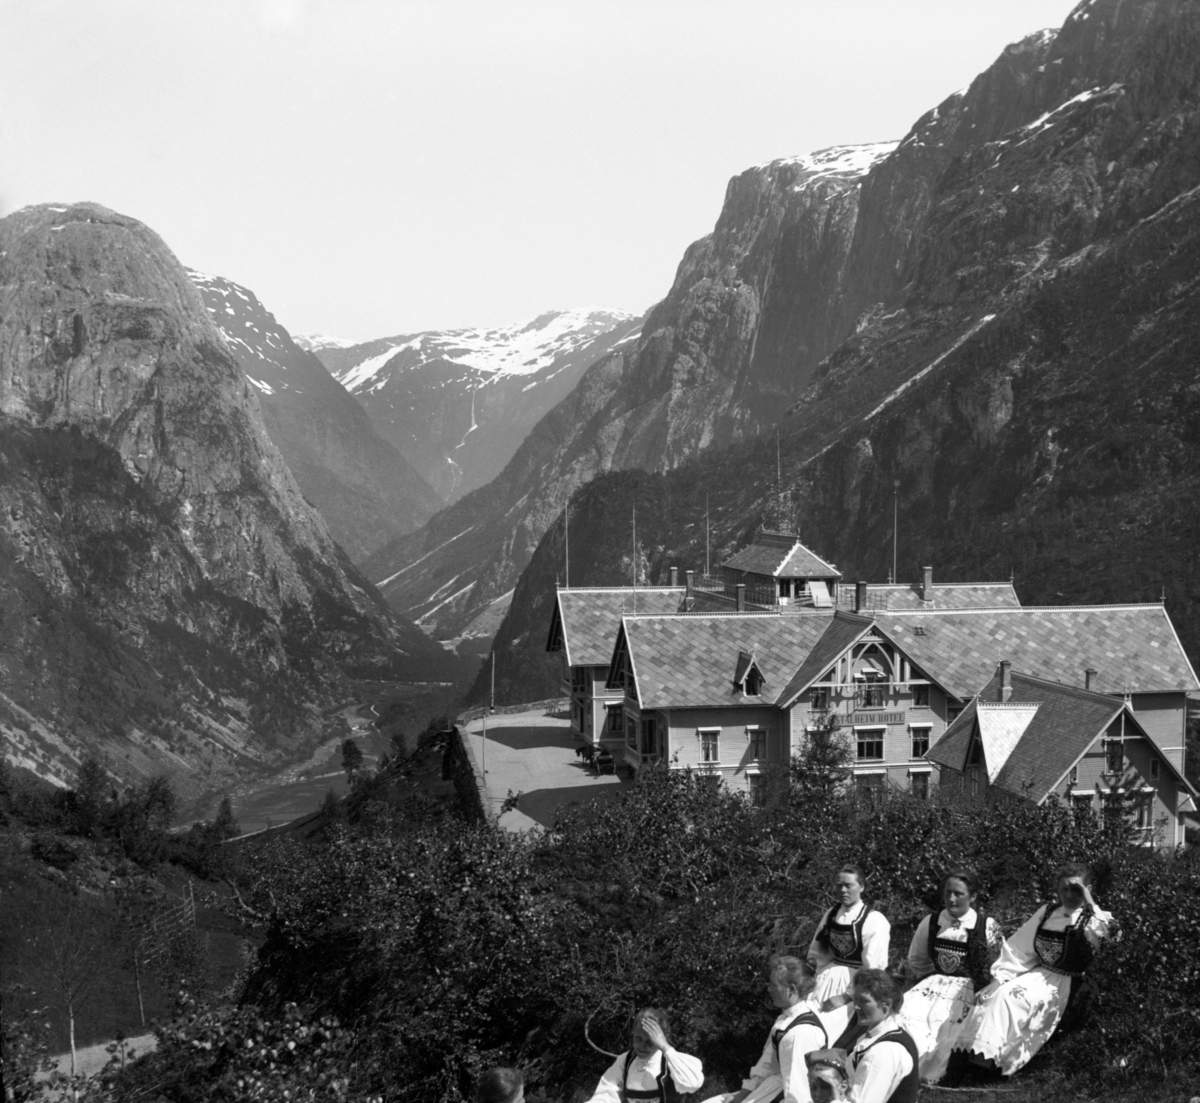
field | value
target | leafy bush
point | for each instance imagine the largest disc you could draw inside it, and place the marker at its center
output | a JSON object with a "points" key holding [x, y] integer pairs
{"points": [[442, 949]]}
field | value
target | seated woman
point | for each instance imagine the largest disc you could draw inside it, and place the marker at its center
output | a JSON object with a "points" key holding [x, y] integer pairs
{"points": [[501, 1086], [881, 1055], [950, 955], [1035, 976], [651, 1068], [780, 1074], [851, 935]]}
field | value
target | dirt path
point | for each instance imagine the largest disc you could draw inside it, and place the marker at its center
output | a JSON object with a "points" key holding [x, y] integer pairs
{"points": [[91, 1059]]}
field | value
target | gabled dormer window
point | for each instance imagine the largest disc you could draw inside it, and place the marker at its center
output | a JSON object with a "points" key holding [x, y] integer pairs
{"points": [[748, 677]]}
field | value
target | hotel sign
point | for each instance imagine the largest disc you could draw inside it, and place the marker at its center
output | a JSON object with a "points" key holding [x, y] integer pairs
{"points": [[860, 718]]}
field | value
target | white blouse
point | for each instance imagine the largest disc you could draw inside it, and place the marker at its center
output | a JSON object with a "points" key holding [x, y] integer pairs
{"points": [[790, 1065], [686, 1071], [1018, 955], [921, 965], [876, 933], [876, 1074]]}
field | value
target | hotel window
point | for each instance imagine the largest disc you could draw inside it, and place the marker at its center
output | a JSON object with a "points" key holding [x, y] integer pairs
{"points": [[758, 743], [1154, 769], [1114, 756], [918, 785], [580, 678], [1081, 802], [818, 698], [630, 732], [920, 741], [615, 722], [974, 772], [869, 786], [920, 697], [953, 712], [785, 587], [710, 745], [870, 742], [756, 788], [1073, 776]]}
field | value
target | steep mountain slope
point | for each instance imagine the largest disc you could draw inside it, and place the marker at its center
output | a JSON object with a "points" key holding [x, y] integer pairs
{"points": [[1025, 365], [365, 490], [753, 309], [168, 598], [457, 403]]}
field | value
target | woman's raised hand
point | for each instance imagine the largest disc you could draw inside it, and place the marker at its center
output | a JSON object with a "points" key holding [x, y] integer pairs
{"points": [[654, 1032]]}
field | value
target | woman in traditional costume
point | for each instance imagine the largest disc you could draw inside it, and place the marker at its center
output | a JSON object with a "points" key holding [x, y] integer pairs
{"points": [[881, 1056], [950, 957], [652, 1068], [851, 935], [1033, 980]]}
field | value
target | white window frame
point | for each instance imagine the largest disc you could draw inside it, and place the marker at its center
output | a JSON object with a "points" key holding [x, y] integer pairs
{"points": [[862, 729], [925, 727], [759, 730], [715, 733]]}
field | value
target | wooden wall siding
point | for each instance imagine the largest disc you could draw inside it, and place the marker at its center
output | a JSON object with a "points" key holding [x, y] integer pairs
{"points": [[1164, 718], [684, 746]]}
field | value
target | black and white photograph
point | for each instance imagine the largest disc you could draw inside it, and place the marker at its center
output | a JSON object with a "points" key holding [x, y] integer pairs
{"points": [[599, 551]]}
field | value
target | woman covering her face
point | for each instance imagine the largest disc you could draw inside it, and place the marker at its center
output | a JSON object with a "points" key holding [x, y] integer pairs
{"points": [[651, 1069], [951, 955], [1034, 978]]}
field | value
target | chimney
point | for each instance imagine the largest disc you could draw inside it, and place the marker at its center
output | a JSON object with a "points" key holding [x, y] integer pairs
{"points": [[1089, 678], [741, 597], [860, 596], [674, 576], [689, 576], [926, 583], [1005, 692]]}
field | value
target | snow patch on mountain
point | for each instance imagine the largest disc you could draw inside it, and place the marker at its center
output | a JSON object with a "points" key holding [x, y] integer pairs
{"points": [[313, 342], [840, 161], [521, 349]]}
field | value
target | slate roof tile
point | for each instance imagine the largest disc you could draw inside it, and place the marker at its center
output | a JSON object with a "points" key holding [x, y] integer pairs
{"points": [[772, 556], [946, 595], [591, 618], [1132, 647], [691, 659]]}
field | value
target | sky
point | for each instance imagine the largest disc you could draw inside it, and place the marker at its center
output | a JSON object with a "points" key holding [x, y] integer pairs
{"points": [[379, 167]]}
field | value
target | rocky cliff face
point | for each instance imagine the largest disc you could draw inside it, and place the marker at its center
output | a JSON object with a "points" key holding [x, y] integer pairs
{"points": [[1024, 270], [168, 597], [753, 309], [457, 403], [365, 490]]}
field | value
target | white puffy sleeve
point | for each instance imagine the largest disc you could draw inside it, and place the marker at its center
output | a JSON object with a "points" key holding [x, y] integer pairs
{"points": [[1017, 954], [876, 934], [609, 1088], [920, 964], [1100, 926], [687, 1071], [792, 1066]]}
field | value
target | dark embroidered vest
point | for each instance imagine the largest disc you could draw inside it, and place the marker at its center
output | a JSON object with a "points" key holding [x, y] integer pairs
{"points": [[844, 939], [906, 1091], [1066, 952], [961, 959], [664, 1092], [808, 1018]]}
